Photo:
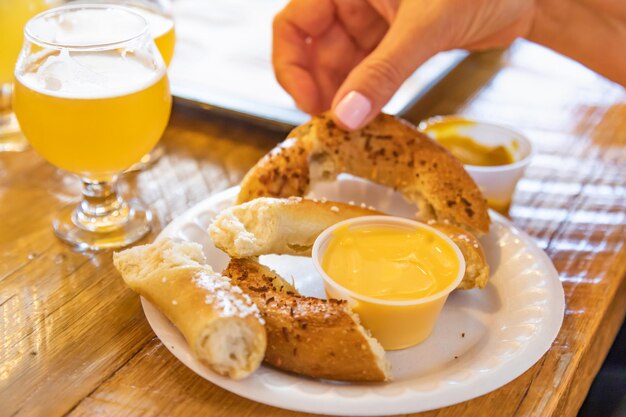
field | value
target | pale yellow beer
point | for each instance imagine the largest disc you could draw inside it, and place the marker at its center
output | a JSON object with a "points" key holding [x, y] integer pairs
{"points": [[92, 123]]}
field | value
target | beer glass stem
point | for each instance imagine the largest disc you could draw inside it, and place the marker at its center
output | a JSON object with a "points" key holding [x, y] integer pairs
{"points": [[101, 209], [5, 98], [103, 219], [8, 124]]}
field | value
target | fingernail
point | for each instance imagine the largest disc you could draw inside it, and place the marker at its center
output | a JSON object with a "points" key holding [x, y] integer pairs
{"points": [[353, 109]]}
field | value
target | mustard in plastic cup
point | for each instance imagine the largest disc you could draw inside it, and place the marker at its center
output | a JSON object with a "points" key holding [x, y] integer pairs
{"points": [[396, 324], [497, 182]]}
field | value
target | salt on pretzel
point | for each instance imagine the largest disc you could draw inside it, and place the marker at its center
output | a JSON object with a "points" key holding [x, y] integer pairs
{"points": [[290, 226], [388, 151]]}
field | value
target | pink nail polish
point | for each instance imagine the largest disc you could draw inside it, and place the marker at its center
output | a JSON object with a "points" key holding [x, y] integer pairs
{"points": [[353, 109]]}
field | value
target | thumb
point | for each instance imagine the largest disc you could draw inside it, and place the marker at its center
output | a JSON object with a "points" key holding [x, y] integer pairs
{"points": [[372, 83]]}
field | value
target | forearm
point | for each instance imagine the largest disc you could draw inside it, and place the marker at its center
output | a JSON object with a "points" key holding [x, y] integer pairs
{"points": [[592, 32]]}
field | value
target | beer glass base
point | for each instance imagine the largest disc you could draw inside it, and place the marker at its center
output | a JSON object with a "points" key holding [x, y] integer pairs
{"points": [[136, 225], [11, 138], [148, 159]]}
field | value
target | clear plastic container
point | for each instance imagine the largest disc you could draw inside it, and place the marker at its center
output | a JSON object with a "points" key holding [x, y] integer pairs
{"points": [[497, 183]]}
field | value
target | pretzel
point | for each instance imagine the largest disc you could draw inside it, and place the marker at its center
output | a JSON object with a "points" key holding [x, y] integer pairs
{"points": [[221, 324], [306, 335], [290, 226], [388, 151]]}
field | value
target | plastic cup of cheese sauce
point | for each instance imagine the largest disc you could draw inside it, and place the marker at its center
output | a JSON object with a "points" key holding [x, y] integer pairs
{"points": [[395, 273]]}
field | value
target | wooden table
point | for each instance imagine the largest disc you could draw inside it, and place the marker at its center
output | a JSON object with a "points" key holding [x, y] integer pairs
{"points": [[74, 340]]}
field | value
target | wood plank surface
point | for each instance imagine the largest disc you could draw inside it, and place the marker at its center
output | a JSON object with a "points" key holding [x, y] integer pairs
{"points": [[74, 340]]}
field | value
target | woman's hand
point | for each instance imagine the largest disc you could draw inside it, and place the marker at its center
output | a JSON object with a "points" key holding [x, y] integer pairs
{"points": [[352, 55]]}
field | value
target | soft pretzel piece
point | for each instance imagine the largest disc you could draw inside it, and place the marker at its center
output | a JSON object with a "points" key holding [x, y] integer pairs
{"points": [[388, 151], [290, 226], [306, 335], [221, 324], [476, 266], [278, 225]]}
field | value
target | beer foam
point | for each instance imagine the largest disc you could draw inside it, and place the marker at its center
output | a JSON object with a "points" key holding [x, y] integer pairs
{"points": [[82, 27], [91, 75]]}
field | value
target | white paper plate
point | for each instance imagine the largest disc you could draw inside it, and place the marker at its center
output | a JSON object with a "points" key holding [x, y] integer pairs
{"points": [[483, 339]]}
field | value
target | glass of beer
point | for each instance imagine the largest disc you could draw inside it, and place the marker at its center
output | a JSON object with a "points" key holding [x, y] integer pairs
{"points": [[92, 97], [13, 15]]}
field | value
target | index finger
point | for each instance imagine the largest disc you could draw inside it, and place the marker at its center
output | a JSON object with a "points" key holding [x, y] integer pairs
{"points": [[292, 56]]}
